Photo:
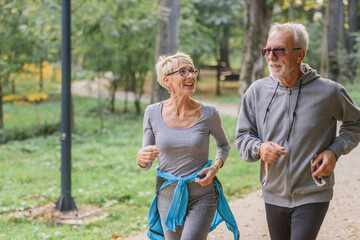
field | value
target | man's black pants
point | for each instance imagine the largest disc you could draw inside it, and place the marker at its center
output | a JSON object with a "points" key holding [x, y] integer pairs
{"points": [[298, 223]]}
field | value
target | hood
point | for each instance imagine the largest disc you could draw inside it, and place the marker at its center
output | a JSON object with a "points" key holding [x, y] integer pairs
{"points": [[310, 75]]}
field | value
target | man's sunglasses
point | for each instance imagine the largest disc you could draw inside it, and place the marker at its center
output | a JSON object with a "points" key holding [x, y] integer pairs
{"points": [[277, 52], [184, 72]]}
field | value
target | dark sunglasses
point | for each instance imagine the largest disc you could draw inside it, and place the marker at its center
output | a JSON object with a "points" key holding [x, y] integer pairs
{"points": [[277, 52], [184, 72]]}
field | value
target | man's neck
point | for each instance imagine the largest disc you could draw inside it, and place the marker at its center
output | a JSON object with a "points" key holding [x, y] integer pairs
{"points": [[290, 80]]}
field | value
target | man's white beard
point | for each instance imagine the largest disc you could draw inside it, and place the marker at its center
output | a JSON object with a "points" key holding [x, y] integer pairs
{"points": [[276, 74], [281, 73]]}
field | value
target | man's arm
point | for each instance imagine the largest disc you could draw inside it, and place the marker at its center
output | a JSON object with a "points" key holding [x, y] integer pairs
{"points": [[346, 111]]}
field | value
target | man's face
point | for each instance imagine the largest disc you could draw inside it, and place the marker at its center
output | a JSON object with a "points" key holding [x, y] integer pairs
{"points": [[282, 67]]}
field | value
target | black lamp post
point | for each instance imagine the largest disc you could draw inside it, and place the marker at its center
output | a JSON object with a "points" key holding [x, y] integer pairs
{"points": [[66, 201]]}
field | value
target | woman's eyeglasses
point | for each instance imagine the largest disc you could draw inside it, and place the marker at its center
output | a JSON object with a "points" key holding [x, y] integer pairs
{"points": [[277, 52], [184, 72]]}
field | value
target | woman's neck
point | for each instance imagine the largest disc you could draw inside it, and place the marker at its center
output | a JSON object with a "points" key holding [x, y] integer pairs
{"points": [[180, 104]]}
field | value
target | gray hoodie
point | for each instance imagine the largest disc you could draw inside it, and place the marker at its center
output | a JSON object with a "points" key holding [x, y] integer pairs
{"points": [[302, 119]]}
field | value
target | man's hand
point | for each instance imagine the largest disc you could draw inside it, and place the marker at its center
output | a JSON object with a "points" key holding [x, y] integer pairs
{"points": [[271, 151], [328, 159]]}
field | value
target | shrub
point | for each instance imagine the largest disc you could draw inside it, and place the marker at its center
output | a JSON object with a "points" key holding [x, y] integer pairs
{"points": [[39, 129]]}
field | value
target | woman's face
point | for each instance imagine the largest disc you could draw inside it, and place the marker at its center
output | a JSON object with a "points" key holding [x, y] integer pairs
{"points": [[183, 81]]}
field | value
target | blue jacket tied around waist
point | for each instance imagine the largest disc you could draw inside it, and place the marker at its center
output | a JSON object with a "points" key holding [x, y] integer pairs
{"points": [[179, 203]]}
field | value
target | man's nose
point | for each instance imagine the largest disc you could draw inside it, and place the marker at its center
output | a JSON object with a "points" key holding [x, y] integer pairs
{"points": [[271, 56]]}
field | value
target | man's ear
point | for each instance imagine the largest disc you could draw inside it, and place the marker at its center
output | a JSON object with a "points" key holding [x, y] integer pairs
{"points": [[301, 55]]}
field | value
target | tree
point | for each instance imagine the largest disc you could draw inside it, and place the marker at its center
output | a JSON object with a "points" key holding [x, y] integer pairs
{"points": [[353, 27], [118, 39], [257, 23], [217, 19], [44, 32], [166, 41], [325, 45], [334, 20], [338, 51], [15, 45]]}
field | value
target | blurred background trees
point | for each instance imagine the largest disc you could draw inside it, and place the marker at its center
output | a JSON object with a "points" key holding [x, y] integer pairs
{"points": [[125, 37]]}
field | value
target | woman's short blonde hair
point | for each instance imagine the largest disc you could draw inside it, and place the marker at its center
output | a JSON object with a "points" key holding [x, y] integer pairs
{"points": [[169, 63]]}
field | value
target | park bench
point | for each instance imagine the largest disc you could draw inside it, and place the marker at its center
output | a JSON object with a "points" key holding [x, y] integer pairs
{"points": [[229, 76]]}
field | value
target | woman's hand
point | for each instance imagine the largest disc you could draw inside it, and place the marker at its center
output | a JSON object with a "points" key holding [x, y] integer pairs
{"points": [[147, 155], [209, 172]]}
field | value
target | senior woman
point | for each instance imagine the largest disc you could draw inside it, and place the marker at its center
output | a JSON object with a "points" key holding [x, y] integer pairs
{"points": [[189, 201]]}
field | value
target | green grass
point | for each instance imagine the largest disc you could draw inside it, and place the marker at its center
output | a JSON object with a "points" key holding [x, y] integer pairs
{"points": [[104, 172]]}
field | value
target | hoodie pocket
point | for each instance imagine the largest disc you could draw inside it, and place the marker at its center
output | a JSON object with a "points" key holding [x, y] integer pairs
{"points": [[319, 181]]}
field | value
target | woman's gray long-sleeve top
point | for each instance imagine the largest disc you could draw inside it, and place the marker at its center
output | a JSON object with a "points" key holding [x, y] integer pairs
{"points": [[184, 151]]}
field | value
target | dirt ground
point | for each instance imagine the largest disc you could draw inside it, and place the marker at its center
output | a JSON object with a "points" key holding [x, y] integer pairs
{"points": [[342, 221]]}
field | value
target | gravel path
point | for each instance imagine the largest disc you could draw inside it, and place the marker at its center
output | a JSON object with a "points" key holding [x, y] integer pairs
{"points": [[342, 221]]}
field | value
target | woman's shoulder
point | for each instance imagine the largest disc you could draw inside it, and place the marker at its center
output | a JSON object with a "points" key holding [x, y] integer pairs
{"points": [[153, 107], [208, 109]]}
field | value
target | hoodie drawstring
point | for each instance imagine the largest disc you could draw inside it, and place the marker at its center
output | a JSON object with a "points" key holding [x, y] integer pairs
{"points": [[294, 113], [272, 98]]}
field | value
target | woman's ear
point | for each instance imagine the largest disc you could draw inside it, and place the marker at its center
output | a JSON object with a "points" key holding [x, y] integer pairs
{"points": [[166, 81]]}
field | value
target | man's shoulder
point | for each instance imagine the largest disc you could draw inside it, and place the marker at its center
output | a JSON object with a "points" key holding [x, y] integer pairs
{"points": [[328, 84], [261, 83]]}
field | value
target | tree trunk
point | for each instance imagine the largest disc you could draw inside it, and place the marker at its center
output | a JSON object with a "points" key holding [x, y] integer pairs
{"points": [[342, 31], [257, 23], [218, 74], [352, 6], [166, 43], [1, 97], [224, 49], [12, 82], [41, 84], [291, 11], [334, 18], [113, 89], [324, 69], [1, 106]]}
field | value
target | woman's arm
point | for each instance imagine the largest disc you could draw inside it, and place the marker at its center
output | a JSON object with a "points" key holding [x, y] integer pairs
{"points": [[148, 152]]}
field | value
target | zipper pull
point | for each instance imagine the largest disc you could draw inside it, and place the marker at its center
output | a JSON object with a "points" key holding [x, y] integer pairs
{"points": [[266, 170]]}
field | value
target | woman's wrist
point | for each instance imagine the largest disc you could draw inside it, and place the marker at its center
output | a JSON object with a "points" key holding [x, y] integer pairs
{"points": [[218, 164], [141, 164]]}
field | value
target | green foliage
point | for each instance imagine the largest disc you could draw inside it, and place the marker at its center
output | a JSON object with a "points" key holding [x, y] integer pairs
{"points": [[213, 23]]}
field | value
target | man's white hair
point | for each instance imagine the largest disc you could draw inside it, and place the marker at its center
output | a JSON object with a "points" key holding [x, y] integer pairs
{"points": [[300, 34]]}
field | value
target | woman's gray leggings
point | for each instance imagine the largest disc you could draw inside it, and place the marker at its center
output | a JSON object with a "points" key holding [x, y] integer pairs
{"points": [[200, 211]]}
